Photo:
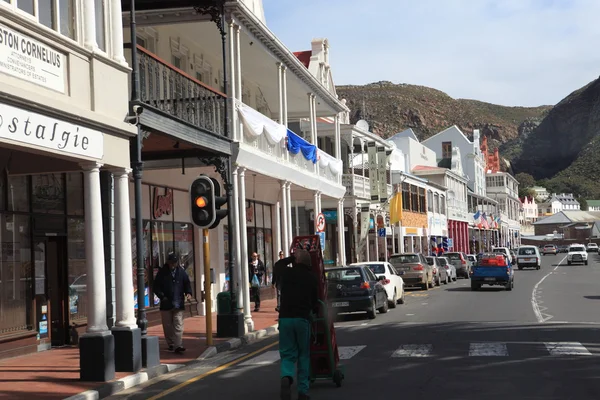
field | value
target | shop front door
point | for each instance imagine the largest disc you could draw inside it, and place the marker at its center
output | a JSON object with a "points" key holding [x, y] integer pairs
{"points": [[50, 251]]}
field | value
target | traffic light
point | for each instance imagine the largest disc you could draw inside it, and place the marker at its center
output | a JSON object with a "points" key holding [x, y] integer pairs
{"points": [[219, 201], [206, 201], [202, 194]]}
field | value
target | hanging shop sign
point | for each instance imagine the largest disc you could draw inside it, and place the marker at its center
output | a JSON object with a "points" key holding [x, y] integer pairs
{"points": [[382, 175], [51, 133], [162, 203], [26, 58], [365, 214], [373, 175]]}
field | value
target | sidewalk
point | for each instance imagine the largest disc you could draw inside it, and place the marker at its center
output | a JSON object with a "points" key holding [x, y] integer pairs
{"points": [[54, 374]]}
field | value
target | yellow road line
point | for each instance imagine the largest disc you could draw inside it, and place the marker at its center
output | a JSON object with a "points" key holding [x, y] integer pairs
{"points": [[211, 372]]}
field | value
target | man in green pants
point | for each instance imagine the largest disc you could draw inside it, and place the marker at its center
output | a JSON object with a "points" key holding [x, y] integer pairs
{"points": [[299, 295]]}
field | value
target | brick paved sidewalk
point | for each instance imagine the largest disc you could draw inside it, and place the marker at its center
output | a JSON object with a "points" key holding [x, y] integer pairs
{"points": [[54, 374]]}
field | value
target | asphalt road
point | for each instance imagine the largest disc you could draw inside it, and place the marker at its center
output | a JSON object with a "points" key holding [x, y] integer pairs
{"points": [[539, 341]]}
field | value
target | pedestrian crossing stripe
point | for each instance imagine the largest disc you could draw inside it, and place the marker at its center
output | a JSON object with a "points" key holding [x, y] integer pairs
{"points": [[488, 349], [567, 349]]}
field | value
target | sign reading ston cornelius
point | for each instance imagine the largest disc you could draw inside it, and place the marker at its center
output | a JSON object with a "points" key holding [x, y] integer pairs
{"points": [[30, 60]]}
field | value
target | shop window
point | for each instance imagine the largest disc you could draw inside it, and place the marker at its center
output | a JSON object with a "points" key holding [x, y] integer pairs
{"points": [[74, 186], [184, 247], [406, 196], [162, 243], [77, 278], [48, 194], [18, 193], [414, 199], [422, 208], [45, 12], [2, 191], [443, 204], [15, 273], [429, 201]]}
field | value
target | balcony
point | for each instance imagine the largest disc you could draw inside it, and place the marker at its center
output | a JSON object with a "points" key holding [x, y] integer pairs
{"points": [[359, 186], [173, 93]]}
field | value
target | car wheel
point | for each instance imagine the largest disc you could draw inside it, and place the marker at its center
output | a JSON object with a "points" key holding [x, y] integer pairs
{"points": [[384, 308], [537, 267], [446, 281], [425, 286], [586, 262], [568, 262], [438, 281], [394, 300], [475, 286], [403, 298], [509, 286], [371, 312]]}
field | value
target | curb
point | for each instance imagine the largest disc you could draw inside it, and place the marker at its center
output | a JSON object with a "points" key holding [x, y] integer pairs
{"points": [[110, 388]]}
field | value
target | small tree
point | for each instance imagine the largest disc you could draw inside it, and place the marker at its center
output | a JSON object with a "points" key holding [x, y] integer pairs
{"points": [[583, 204], [525, 180]]}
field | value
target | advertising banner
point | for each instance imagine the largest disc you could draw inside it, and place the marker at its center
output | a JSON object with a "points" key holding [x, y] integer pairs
{"points": [[373, 172]]}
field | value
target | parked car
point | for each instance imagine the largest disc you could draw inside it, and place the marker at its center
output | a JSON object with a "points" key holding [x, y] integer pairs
{"points": [[439, 272], [529, 256], [592, 247], [459, 260], [472, 259], [505, 251], [563, 249], [451, 269], [550, 249], [414, 269], [577, 254], [355, 289], [392, 282], [494, 270]]}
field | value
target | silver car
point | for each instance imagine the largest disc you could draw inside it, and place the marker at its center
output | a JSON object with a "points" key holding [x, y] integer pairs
{"points": [[414, 269], [451, 269], [439, 272]]}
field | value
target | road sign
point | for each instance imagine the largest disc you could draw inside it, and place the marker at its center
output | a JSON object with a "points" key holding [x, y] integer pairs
{"points": [[322, 239], [381, 232], [320, 224]]}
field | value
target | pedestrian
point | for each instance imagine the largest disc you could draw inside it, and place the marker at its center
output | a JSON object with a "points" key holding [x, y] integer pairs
{"points": [[256, 272], [277, 270], [172, 286], [299, 298]]}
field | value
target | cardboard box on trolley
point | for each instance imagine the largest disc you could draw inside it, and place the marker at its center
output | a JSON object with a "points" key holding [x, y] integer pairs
{"points": [[324, 358]]}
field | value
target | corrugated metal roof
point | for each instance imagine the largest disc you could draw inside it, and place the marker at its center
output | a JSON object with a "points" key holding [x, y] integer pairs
{"points": [[593, 203], [565, 217]]}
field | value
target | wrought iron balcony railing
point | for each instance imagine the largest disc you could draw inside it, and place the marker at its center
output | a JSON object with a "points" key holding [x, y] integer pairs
{"points": [[170, 90]]}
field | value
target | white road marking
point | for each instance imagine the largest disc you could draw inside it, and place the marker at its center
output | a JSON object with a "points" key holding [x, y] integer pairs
{"points": [[347, 352], [567, 349], [413, 350], [424, 304], [266, 358], [409, 315], [535, 303], [364, 323], [496, 349]]}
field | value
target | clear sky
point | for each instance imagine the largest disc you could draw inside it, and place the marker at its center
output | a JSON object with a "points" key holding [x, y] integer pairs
{"points": [[510, 52]]}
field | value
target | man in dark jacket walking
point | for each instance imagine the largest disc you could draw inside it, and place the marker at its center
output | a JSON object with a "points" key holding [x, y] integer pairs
{"points": [[299, 296], [172, 286], [277, 270], [256, 268]]}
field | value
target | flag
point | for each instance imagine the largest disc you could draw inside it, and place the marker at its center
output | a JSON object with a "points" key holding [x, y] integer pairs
{"points": [[477, 215], [484, 221], [396, 208]]}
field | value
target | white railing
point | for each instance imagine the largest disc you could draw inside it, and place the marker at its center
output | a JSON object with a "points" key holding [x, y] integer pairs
{"points": [[359, 186]]}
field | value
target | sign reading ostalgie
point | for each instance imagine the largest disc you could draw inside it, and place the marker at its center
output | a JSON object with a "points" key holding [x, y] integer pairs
{"points": [[51, 133], [373, 172], [28, 59]]}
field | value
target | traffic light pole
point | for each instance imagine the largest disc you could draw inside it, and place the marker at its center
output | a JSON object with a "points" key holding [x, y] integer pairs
{"points": [[207, 287]]}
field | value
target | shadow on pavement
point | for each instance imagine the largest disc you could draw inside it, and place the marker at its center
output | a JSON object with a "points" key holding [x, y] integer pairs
{"points": [[592, 297]]}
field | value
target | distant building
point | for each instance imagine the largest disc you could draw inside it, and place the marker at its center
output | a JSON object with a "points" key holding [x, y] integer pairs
{"points": [[528, 214], [575, 225], [492, 160], [504, 188], [540, 193], [593, 205]]}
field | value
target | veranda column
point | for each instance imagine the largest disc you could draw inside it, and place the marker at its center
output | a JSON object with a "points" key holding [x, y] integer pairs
{"points": [[233, 82], [128, 337], [276, 229], [244, 251], [237, 278], [355, 218], [288, 212], [97, 345], [311, 116], [116, 18], [341, 231], [280, 93], [284, 229], [316, 209], [285, 100], [89, 26]]}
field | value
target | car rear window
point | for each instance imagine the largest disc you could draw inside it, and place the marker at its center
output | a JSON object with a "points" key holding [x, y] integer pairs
{"points": [[404, 259], [442, 261], [472, 258], [377, 268], [498, 250], [577, 248], [346, 276], [549, 246], [526, 251], [453, 256], [430, 260]]}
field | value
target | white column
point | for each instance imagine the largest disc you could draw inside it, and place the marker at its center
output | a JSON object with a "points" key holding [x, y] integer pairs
{"points": [[232, 82], [285, 103], [311, 115], [123, 260], [314, 108], [288, 212], [89, 26], [94, 251], [297, 218], [276, 229], [238, 79], [280, 93], [116, 18], [340, 224], [244, 251], [239, 262], [284, 211], [316, 210]]}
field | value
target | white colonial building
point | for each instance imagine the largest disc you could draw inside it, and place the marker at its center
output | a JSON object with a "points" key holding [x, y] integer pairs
{"points": [[528, 215]]}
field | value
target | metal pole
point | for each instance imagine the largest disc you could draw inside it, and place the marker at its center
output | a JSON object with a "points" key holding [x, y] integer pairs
{"points": [[207, 287], [138, 166]]}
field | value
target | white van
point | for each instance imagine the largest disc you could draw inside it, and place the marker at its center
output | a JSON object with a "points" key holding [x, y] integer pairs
{"points": [[529, 256], [505, 251]]}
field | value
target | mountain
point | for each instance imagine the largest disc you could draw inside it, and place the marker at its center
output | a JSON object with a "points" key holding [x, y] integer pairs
{"points": [[565, 148], [390, 108]]}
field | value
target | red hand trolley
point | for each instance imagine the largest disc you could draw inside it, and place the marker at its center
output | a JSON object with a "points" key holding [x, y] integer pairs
{"points": [[324, 356]]}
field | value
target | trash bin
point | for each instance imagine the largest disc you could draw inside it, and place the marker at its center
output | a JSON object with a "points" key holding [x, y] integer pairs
{"points": [[224, 303]]}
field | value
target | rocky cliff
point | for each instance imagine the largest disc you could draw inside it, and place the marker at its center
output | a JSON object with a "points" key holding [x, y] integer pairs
{"points": [[391, 108]]}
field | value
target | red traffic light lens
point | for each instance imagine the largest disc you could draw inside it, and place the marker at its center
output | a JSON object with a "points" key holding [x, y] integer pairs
{"points": [[200, 202]]}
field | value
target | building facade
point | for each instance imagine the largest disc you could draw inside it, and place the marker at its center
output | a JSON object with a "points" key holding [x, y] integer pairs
{"points": [[504, 188]]}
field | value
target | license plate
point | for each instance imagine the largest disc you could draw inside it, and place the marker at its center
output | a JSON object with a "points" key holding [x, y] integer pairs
{"points": [[528, 259], [489, 279], [341, 304]]}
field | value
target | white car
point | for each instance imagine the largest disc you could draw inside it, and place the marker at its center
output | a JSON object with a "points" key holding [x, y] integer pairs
{"points": [[529, 256], [505, 251], [392, 282], [577, 254], [592, 247], [450, 268]]}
